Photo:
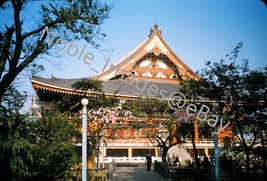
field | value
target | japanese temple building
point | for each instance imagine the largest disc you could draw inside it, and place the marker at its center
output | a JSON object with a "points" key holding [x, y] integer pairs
{"points": [[155, 71]]}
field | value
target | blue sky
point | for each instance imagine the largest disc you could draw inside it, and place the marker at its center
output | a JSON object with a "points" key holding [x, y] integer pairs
{"points": [[196, 30]]}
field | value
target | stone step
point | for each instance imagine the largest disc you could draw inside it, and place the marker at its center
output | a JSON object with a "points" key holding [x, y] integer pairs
{"points": [[181, 152]]}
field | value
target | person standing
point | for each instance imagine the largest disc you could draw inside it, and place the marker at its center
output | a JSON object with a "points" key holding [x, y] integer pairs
{"points": [[148, 162], [173, 159], [177, 160]]}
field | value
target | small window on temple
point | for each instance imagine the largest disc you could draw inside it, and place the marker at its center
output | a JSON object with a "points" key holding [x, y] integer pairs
{"points": [[145, 63], [147, 74], [162, 65], [173, 76], [160, 75]]}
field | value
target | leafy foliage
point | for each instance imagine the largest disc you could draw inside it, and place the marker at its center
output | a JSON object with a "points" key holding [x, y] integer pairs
{"points": [[165, 136], [23, 41], [242, 95], [15, 147], [145, 105], [42, 149], [88, 84], [53, 146]]}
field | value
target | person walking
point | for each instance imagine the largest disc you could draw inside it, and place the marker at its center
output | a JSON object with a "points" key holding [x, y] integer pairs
{"points": [[148, 162], [177, 160], [173, 159]]}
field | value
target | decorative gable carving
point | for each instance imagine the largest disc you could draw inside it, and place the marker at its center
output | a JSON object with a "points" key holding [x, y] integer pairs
{"points": [[156, 46], [151, 59], [158, 67]]}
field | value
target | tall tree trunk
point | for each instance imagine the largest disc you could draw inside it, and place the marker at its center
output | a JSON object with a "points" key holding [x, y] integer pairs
{"points": [[264, 156], [194, 146], [164, 153], [6, 82], [247, 151]]}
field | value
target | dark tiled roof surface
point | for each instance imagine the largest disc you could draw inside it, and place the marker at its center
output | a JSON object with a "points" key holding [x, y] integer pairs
{"points": [[55, 82], [139, 88], [120, 87]]}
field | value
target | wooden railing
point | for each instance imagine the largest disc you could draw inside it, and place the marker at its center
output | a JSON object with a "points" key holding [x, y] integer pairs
{"points": [[130, 142], [205, 141], [126, 159]]}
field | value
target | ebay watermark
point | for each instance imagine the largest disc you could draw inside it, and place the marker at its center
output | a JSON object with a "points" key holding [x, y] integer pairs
{"points": [[176, 100], [71, 49]]}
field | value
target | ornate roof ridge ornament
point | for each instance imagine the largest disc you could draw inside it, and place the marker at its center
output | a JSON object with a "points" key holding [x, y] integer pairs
{"points": [[155, 28]]}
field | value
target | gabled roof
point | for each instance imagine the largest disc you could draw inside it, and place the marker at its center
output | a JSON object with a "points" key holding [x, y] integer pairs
{"points": [[154, 42], [153, 48]]}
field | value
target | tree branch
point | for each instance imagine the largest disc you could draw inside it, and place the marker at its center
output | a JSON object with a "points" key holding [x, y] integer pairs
{"points": [[17, 5], [2, 2], [11, 75], [49, 25], [5, 49]]}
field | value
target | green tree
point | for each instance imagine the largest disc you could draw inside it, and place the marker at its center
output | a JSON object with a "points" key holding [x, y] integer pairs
{"points": [[54, 151], [22, 41], [15, 147], [193, 90], [142, 107], [71, 104], [164, 136], [242, 94], [39, 149]]}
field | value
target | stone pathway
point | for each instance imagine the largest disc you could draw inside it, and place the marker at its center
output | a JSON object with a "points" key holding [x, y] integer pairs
{"points": [[136, 174]]}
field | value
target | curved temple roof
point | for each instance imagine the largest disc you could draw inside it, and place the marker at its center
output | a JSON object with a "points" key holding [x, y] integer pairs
{"points": [[122, 88], [155, 44], [157, 73]]}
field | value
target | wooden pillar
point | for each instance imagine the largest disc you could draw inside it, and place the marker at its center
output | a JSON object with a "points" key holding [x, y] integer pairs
{"points": [[174, 128], [206, 151], [196, 131], [150, 119], [130, 152], [91, 162]]}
